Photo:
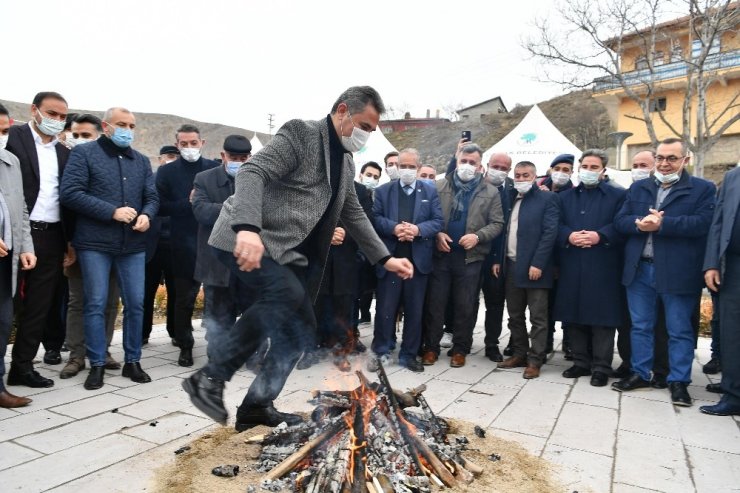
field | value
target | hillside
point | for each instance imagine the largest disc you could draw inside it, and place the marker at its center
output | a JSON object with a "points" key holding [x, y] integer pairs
{"points": [[155, 130], [577, 115]]}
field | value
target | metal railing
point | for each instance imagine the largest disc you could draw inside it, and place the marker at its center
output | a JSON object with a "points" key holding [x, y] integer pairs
{"points": [[673, 70]]}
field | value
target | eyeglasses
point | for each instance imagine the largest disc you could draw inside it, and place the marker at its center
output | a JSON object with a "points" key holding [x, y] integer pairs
{"points": [[670, 159]]}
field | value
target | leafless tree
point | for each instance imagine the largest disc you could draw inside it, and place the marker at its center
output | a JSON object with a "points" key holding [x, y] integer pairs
{"points": [[588, 52], [451, 110]]}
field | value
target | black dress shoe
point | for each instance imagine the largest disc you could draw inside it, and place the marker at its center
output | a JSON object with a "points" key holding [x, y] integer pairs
{"points": [[659, 381], [508, 351], [599, 379], [622, 371], [494, 354], [412, 364], [52, 357], [713, 367], [30, 378], [715, 388], [135, 373], [722, 408], [633, 382], [679, 394], [568, 354], [253, 416], [186, 357], [94, 379], [207, 394], [576, 371], [358, 347]]}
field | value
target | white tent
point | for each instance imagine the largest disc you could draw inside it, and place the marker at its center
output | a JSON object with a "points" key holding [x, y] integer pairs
{"points": [[535, 139], [375, 149], [256, 144]]}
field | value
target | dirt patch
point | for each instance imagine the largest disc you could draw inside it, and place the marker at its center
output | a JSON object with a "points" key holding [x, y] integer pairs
{"points": [[517, 471]]}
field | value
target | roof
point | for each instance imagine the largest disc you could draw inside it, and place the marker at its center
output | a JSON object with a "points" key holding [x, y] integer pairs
{"points": [[486, 102]]}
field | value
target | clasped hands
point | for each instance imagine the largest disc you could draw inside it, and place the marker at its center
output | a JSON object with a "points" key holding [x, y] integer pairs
{"points": [[584, 239], [406, 231], [651, 222]]}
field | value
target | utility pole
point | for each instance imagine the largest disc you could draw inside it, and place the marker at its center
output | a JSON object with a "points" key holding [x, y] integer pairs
{"points": [[270, 119]]}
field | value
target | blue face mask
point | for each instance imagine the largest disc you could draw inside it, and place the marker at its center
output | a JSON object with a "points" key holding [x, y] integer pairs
{"points": [[232, 167], [122, 137]]}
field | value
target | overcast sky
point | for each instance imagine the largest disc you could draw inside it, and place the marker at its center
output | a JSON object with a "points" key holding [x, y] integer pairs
{"points": [[233, 62]]}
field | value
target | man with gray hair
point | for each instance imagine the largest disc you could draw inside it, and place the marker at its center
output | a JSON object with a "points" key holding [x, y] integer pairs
{"points": [[111, 188], [274, 234], [407, 217]]}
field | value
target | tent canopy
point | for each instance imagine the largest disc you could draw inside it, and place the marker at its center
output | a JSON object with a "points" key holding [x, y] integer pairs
{"points": [[535, 139], [256, 144], [375, 149]]}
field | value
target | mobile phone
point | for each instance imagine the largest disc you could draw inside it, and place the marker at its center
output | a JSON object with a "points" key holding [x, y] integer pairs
{"points": [[467, 135]]}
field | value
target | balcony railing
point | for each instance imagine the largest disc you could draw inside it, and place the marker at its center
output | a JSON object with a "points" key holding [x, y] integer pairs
{"points": [[723, 60]]}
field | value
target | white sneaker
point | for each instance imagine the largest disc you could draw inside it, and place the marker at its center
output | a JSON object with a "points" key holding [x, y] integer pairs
{"points": [[372, 363], [446, 340]]}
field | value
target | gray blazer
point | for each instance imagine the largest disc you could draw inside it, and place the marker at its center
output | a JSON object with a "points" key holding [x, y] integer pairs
{"points": [[11, 186], [720, 232], [284, 189]]}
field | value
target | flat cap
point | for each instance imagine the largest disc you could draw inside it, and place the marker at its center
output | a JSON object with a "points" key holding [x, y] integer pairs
{"points": [[237, 144], [563, 158], [169, 150]]}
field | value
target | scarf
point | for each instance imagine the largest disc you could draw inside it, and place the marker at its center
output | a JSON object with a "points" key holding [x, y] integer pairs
{"points": [[463, 193]]}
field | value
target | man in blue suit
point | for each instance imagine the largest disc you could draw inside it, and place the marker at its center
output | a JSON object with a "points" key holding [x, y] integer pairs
{"points": [[722, 275], [666, 220], [407, 216]]}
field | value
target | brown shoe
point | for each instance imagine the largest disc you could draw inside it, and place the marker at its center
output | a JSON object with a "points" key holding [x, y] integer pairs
{"points": [[110, 363], [531, 371], [72, 368], [8, 400], [513, 362], [457, 361], [429, 358]]}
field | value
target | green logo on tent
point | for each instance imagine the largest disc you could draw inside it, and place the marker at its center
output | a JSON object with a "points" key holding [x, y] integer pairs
{"points": [[528, 138]]}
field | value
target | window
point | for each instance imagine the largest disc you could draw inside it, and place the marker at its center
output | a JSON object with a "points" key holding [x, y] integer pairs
{"points": [[697, 44], [658, 58], [641, 63], [676, 53], [658, 104]]}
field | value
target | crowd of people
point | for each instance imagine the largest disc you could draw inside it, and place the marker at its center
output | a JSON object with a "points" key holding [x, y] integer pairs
{"points": [[290, 248]]}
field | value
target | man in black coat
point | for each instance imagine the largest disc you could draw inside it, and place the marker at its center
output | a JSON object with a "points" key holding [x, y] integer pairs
{"points": [[175, 188], [42, 159], [527, 261], [225, 297]]}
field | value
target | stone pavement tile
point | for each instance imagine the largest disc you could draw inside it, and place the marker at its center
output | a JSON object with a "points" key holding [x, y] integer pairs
{"points": [[58, 397], [12, 454], [152, 362], [118, 380], [80, 431], [296, 402], [554, 374], [714, 472], [534, 410], [169, 427], [440, 394], [506, 378], [151, 389], [699, 393], [710, 432], [657, 395], [589, 428], [158, 406], [583, 392], [25, 424], [172, 355], [652, 462], [480, 405], [475, 369], [9, 413], [91, 406], [56, 469], [169, 369], [648, 417], [628, 488], [579, 470], [532, 444]]}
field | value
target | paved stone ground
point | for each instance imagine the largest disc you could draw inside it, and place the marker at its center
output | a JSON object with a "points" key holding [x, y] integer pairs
{"points": [[71, 440]]}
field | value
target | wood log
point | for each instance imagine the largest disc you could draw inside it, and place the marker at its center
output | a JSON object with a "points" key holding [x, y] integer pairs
{"points": [[384, 482], [472, 467], [290, 462], [463, 474], [437, 466]]}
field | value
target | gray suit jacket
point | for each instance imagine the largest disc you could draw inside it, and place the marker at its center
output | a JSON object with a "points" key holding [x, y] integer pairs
{"points": [[11, 186], [725, 212], [284, 189]]}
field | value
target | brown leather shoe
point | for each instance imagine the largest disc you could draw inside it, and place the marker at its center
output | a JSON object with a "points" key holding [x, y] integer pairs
{"points": [[429, 358], [72, 368], [8, 400], [110, 363], [457, 361], [531, 371], [513, 362]]}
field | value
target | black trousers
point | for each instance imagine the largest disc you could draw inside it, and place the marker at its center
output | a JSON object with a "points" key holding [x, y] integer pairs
{"points": [[281, 312], [600, 341], [729, 306], [186, 290], [494, 296], [157, 269], [40, 306]]}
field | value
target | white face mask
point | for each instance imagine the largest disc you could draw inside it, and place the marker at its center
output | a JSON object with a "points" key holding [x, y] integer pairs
{"points": [[465, 172], [72, 142], [3, 141], [392, 172], [190, 154], [666, 179], [370, 182], [49, 126], [640, 174], [588, 177], [407, 176], [357, 140], [523, 186], [559, 178], [496, 176]]}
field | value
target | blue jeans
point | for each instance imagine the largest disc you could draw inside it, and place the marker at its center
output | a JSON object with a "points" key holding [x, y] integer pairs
{"points": [[96, 267], [642, 298]]}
